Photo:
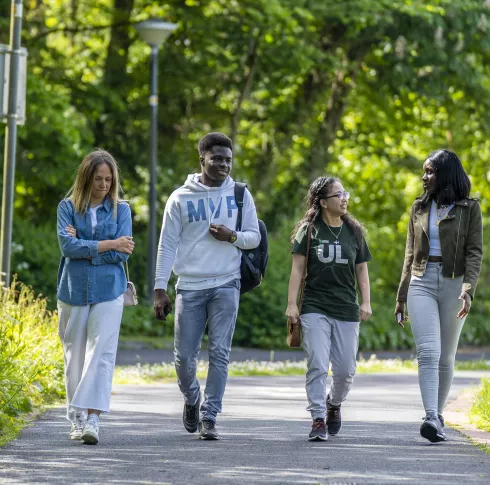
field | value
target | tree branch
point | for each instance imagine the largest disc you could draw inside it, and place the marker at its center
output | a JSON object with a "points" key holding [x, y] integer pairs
{"points": [[74, 30], [250, 70]]}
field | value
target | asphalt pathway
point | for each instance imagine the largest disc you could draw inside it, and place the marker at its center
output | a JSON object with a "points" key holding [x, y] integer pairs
{"points": [[264, 431]]}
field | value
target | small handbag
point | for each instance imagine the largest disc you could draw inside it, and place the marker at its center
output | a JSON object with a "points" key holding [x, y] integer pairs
{"points": [[130, 297], [293, 338]]}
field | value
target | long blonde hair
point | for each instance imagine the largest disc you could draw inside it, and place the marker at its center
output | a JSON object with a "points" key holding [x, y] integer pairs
{"points": [[81, 190]]}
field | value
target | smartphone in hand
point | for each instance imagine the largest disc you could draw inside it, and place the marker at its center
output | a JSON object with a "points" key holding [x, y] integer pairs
{"points": [[399, 319]]}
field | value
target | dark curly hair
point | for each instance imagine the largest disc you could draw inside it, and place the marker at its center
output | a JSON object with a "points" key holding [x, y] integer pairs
{"points": [[317, 191], [207, 142], [452, 183]]}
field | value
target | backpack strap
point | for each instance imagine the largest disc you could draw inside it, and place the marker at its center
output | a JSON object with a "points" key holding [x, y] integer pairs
{"points": [[239, 194]]}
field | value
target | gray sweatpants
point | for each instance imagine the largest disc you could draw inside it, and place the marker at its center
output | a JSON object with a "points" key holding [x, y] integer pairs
{"points": [[433, 306], [326, 340]]}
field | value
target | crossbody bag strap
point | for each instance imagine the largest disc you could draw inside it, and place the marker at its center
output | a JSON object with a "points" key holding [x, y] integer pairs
{"points": [[305, 272]]}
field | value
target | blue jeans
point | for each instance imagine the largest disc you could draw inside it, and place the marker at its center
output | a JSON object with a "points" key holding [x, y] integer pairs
{"points": [[218, 308]]}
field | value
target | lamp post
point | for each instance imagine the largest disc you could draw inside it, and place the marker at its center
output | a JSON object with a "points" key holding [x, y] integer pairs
{"points": [[12, 111], [154, 32]]}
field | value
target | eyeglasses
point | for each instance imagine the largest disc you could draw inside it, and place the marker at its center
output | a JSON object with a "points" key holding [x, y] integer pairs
{"points": [[340, 195]]}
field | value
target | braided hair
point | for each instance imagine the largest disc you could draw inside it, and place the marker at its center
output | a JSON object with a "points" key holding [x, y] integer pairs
{"points": [[317, 191], [452, 183]]}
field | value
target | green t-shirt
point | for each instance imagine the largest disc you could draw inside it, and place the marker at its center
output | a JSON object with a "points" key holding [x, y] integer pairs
{"points": [[331, 277]]}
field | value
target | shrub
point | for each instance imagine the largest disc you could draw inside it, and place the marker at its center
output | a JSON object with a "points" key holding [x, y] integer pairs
{"points": [[31, 356], [480, 410]]}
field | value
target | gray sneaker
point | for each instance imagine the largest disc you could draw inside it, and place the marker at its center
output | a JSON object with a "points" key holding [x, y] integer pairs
{"points": [[207, 430], [318, 431], [441, 420], [431, 429]]}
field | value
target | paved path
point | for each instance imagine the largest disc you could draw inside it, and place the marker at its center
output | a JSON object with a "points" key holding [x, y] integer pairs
{"points": [[264, 431]]}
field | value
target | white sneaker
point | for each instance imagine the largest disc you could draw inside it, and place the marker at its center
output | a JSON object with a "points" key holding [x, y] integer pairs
{"points": [[90, 434], [76, 427]]}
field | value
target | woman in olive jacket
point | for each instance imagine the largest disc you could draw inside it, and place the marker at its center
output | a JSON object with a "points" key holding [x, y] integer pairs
{"points": [[443, 257]]}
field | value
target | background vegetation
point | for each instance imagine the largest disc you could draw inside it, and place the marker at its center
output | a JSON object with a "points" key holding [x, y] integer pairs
{"points": [[31, 358], [361, 89]]}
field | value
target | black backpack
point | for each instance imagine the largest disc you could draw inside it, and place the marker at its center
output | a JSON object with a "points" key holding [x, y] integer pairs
{"points": [[254, 261]]}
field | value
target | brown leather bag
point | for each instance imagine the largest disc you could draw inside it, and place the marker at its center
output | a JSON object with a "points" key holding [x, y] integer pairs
{"points": [[293, 338]]}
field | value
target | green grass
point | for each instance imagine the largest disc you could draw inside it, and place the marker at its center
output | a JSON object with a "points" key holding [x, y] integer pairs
{"points": [[479, 413], [145, 342], [146, 373]]}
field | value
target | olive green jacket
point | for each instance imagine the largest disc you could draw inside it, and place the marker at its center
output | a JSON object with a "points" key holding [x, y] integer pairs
{"points": [[460, 235]]}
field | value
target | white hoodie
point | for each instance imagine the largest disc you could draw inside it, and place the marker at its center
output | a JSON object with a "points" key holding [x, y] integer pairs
{"points": [[186, 246]]}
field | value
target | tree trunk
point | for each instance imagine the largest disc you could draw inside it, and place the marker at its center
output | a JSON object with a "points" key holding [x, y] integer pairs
{"points": [[250, 70]]}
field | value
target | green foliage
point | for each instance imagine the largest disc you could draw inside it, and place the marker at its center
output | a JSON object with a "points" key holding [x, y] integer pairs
{"points": [[139, 320], [480, 410], [362, 89], [31, 357]]}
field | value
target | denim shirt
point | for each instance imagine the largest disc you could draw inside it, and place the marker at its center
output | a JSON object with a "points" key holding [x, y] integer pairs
{"points": [[85, 276]]}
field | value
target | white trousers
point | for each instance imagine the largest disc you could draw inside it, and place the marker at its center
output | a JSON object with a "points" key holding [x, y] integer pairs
{"points": [[89, 335]]}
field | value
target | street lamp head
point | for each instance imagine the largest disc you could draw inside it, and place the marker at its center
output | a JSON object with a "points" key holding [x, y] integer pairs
{"points": [[154, 31]]}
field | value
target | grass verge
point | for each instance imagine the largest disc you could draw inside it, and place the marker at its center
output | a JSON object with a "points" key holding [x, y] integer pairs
{"points": [[146, 373], [479, 413]]}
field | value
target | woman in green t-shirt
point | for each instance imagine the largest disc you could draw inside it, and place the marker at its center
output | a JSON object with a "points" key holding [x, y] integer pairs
{"points": [[330, 313]]}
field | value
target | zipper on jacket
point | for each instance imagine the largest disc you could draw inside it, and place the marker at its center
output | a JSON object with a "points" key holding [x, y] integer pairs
{"points": [[457, 242]]}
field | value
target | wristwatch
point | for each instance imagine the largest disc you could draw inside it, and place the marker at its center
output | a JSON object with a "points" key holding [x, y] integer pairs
{"points": [[232, 237]]}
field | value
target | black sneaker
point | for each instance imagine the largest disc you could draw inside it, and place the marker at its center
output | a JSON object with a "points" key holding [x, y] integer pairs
{"points": [[190, 417], [207, 430], [441, 420], [318, 431], [431, 429], [334, 419]]}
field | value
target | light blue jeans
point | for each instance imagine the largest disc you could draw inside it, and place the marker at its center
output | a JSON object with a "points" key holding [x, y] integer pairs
{"points": [[218, 308], [433, 307]]}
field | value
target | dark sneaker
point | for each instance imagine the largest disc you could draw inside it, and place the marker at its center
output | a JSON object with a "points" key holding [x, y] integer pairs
{"points": [[318, 431], [431, 429], [334, 419], [191, 417], [441, 420], [207, 430]]}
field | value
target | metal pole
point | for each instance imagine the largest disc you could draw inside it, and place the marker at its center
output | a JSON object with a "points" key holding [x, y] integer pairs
{"points": [[152, 198], [10, 142]]}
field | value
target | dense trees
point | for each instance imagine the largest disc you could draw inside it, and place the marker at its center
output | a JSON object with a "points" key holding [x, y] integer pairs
{"points": [[363, 89]]}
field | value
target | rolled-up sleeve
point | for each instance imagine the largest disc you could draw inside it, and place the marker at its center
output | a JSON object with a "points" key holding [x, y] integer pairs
{"points": [[124, 228], [70, 246]]}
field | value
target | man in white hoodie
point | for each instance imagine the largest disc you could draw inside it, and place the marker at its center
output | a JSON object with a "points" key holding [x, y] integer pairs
{"points": [[199, 242]]}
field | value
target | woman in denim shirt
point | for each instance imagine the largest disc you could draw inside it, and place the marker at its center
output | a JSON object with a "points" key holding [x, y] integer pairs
{"points": [[94, 234]]}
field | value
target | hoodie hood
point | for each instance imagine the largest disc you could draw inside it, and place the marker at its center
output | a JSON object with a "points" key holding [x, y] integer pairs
{"points": [[192, 183]]}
